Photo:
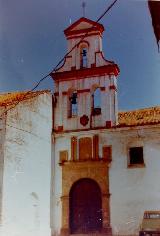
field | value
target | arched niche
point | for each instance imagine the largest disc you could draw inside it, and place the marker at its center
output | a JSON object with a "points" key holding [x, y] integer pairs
{"points": [[72, 103], [83, 52], [96, 100]]}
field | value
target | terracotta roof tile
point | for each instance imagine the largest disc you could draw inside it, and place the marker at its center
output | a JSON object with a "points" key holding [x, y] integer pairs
{"points": [[8, 99], [139, 117]]}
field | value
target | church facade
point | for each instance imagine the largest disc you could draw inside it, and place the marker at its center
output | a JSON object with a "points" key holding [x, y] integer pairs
{"points": [[105, 163], [72, 163]]}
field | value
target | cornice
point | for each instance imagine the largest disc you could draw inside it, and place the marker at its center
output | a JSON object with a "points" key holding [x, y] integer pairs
{"points": [[111, 69]]}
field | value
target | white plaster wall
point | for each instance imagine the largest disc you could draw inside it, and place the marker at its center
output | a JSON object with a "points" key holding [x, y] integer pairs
{"points": [[27, 169], [95, 45], [94, 53], [2, 138], [60, 143], [134, 190]]}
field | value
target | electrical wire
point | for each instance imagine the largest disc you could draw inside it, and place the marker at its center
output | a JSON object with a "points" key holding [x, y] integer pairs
{"points": [[23, 96], [59, 63]]}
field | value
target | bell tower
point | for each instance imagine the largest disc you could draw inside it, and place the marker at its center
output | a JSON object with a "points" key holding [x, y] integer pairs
{"points": [[85, 106], [85, 85]]}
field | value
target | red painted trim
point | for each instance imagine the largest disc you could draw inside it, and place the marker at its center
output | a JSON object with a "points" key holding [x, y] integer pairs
{"points": [[60, 128], [93, 65], [64, 61], [65, 93], [56, 94], [104, 127], [104, 57], [78, 130], [102, 88], [78, 91], [112, 87], [108, 124], [84, 41], [83, 90], [85, 72], [79, 36], [84, 31], [73, 68], [83, 19]]}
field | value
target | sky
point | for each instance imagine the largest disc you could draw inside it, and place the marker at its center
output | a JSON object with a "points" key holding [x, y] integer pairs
{"points": [[32, 42]]}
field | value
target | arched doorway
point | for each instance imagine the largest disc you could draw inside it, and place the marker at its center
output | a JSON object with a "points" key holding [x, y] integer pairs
{"points": [[85, 207]]}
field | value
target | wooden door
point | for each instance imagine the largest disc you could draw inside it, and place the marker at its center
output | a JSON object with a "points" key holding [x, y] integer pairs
{"points": [[85, 207]]}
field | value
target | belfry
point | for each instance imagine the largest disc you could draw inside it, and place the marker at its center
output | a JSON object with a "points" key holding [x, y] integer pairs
{"points": [[85, 104]]}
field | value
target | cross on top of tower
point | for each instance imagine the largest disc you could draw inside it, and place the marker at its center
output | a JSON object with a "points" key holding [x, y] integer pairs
{"points": [[84, 8]]}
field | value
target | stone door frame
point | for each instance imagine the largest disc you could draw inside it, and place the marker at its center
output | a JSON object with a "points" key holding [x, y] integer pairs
{"points": [[74, 171]]}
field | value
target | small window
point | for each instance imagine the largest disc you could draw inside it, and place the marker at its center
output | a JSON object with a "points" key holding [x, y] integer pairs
{"points": [[97, 101], [136, 156], [83, 63], [73, 106]]}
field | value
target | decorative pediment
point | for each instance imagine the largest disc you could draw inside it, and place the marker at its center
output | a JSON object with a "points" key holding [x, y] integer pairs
{"points": [[83, 24]]}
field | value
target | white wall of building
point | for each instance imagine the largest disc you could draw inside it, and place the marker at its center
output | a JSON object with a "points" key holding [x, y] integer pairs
{"points": [[2, 138], [60, 143], [27, 168], [134, 190], [95, 45]]}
